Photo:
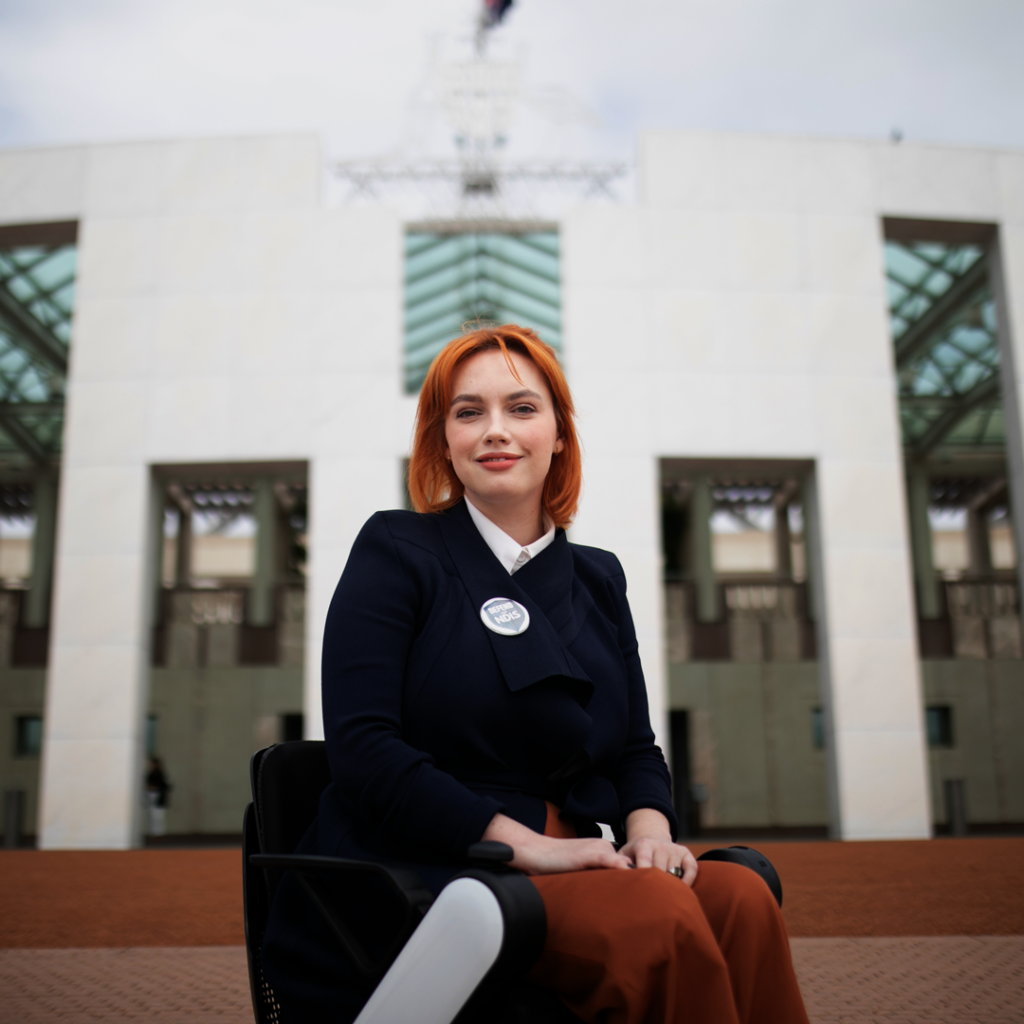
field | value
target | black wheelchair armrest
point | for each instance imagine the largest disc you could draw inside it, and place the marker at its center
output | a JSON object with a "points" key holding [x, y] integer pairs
{"points": [[489, 854], [522, 909], [749, 858], [521, 906], [319, 877]]}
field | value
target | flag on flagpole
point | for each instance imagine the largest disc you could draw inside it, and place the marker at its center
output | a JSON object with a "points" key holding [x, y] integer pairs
{"points": [[494, 11]]}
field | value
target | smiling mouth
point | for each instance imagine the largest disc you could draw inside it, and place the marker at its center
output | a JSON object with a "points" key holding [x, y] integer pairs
{"points": [[498, 459]]}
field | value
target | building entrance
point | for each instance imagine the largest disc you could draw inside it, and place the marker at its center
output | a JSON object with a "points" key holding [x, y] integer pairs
{"points": [[744, 691]]}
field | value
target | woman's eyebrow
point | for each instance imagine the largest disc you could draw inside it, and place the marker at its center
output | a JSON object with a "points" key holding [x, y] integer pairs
{"points": [[514, 397]]}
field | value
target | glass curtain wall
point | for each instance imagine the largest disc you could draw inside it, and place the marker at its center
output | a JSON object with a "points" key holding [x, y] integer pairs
{"points": [[37, 292], [462, 277], [943, 319], [946, 350]]}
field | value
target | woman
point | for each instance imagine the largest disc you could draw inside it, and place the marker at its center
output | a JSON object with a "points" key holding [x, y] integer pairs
{"points": [[481, 681]]}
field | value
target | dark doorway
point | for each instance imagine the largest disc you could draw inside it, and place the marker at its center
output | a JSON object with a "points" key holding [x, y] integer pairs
{"points": [[292, 727], [687, 809]]}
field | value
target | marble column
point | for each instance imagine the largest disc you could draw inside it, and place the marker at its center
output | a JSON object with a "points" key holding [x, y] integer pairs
{"points": [[701, 565], [37, 600]]}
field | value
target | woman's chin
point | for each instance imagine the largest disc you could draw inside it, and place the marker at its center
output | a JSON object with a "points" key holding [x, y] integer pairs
{"points": [[498, 491]]}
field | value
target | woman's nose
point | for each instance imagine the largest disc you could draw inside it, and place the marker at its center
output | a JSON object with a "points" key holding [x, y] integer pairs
{"points": [[496, 432]]}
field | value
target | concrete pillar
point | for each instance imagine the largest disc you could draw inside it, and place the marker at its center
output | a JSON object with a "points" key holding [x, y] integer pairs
{"points": [[97, 692], [871, 670], [261, 596], [783, 542], [918, 494], [979, 550], [183, 547], [813, 566], [37, 600], [158, 511], [701, 565]]}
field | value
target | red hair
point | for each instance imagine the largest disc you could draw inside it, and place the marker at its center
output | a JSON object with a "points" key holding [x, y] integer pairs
{"points": [[433, 485]]}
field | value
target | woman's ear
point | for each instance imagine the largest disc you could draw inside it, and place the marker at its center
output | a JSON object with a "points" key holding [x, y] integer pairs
{"points": [[559, 445]]}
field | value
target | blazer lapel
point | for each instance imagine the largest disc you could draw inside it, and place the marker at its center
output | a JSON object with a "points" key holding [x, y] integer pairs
{"points": [[539, 652], [550, 579]]}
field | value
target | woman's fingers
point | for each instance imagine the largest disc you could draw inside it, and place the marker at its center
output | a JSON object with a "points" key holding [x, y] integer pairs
{"points": [[587, 859], [689, 866], [557, 855], [663, 856], [643, 853], [608, 857]]}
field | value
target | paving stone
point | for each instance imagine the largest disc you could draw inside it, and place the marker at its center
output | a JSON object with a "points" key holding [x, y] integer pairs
{"points": [[932, 980], [179, 985], [949, 979]]}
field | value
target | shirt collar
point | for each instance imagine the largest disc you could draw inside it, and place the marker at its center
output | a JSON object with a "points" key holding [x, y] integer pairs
{"points": [[510, 553]]}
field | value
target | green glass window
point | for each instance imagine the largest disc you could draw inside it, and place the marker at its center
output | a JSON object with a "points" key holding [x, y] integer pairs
{"points": [[37, 288], [28, 736], [817, 729], [938, 720], [492, 277], [943, 322]]}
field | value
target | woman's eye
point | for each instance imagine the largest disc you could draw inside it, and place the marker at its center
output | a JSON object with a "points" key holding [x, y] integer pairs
{"points": [[463, 414], [524, 409]]}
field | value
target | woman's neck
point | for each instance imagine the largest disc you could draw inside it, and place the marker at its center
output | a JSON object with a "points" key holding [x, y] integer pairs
{"points": [[523, 522]]}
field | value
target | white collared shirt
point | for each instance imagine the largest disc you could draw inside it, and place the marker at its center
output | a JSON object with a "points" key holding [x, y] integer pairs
{"points": [[512, 555]]}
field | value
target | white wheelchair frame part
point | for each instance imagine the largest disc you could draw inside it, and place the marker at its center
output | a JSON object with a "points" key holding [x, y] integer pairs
{"points": [[444, 961]]}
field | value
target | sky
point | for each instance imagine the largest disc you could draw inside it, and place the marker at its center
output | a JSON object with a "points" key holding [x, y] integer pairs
{"points": [[594, 73]]}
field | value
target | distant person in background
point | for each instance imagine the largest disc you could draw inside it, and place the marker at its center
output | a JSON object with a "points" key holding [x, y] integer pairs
{"points": [[157, 793]]}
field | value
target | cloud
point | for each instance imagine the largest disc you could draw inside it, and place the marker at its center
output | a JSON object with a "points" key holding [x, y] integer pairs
{"points": [[357, 73]]}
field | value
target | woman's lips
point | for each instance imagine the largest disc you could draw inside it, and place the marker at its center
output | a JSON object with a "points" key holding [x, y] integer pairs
{"points": [[497, 462]]}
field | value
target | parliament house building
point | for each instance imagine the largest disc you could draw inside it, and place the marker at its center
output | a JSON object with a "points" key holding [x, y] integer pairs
{"points": [[799, 370]]}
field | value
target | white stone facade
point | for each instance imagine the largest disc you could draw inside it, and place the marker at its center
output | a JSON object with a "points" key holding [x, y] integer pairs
{"points": [[223, 314]]}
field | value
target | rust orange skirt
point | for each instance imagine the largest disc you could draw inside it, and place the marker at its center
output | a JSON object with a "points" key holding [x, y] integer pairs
{"points": [[641, 947]]}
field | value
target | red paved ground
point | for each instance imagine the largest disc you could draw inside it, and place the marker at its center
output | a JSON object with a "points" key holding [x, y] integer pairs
{"points": [[194, 897], [938, 887], [938, 980], [934, 980], [54, 899]]}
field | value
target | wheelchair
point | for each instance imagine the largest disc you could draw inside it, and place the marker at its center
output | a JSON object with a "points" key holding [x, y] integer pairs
{"points": [[456, 959]]}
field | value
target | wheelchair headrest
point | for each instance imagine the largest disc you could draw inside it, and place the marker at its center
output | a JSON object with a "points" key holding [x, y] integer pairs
{"points": [[288, 779]]}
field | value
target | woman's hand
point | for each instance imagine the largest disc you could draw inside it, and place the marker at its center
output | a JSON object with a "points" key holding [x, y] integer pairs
{"points": [[650, 845], [553, 856], [645, 852], [541, 855]]}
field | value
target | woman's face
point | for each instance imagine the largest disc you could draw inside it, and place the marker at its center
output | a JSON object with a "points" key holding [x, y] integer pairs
{"points": [[501, 432]]}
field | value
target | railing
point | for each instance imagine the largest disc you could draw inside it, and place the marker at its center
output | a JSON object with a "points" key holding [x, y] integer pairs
{"points": [[769, 620], [205, 628], [196, 628], [980, 620], [761, 620]]}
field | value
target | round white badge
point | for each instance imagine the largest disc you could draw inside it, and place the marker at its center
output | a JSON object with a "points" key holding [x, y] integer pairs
{"points": [[505, 616]]}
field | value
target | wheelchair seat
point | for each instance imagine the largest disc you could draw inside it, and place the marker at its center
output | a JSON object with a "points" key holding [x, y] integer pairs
{"points": [[388, 924]]}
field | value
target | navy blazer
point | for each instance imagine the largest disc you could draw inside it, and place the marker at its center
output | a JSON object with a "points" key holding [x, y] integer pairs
{"points": [[434, 723]]}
